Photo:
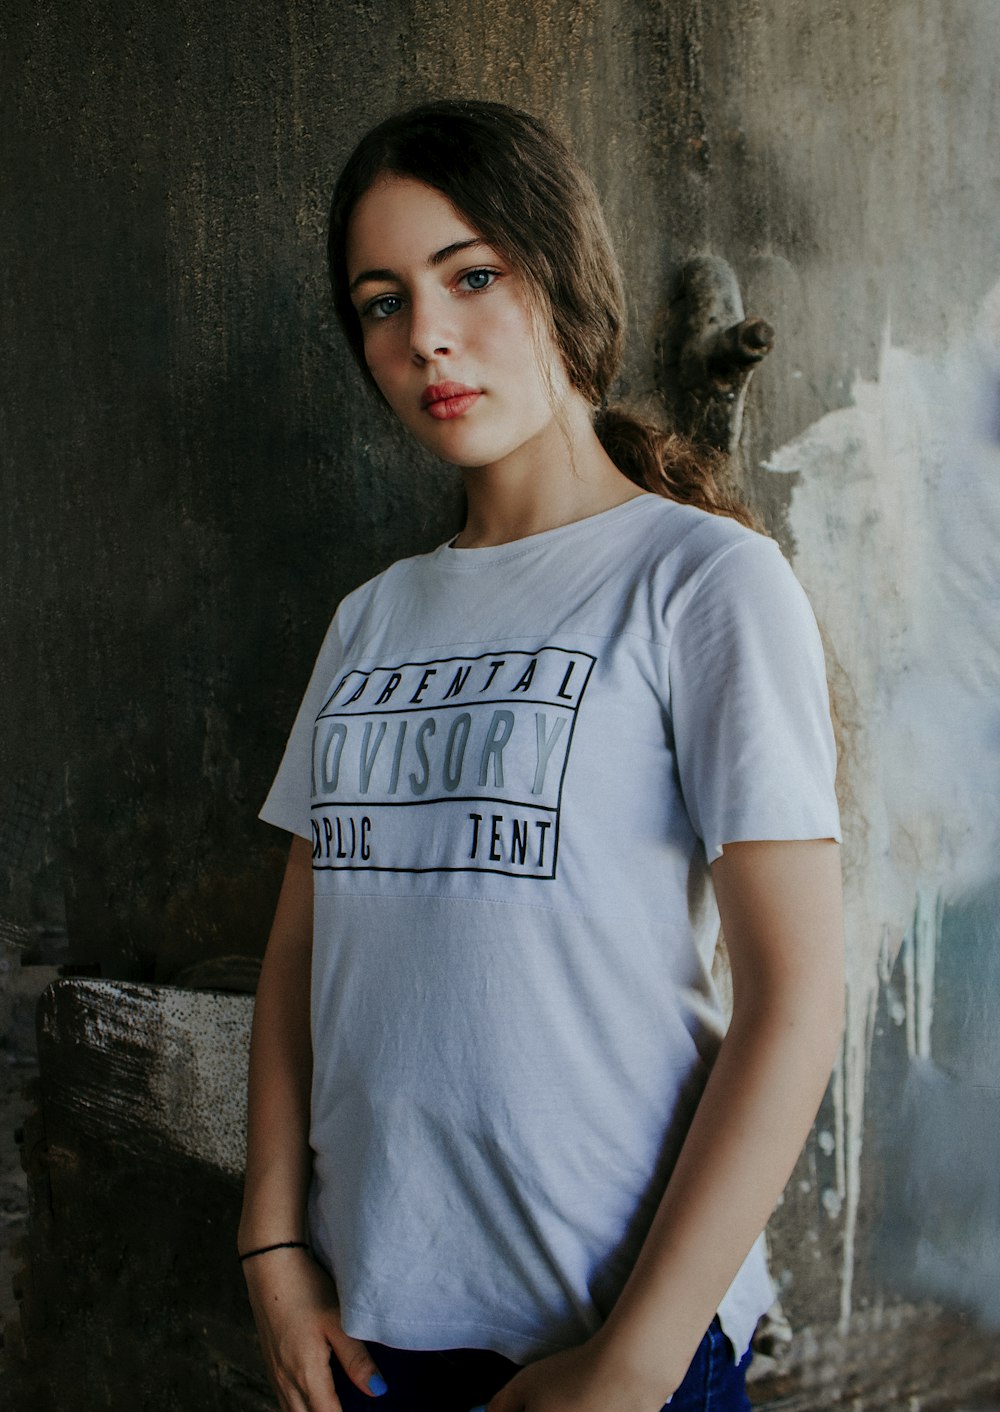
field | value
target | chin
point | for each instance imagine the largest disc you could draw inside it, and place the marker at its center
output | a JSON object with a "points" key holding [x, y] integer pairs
{"points": [[468, 453]]}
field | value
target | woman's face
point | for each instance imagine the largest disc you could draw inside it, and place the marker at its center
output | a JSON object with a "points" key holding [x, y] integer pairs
{"points": [[448, 332]]}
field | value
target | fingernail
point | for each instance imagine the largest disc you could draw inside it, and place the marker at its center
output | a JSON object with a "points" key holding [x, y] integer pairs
{"points": [[377, 1385], [481, 1408]]}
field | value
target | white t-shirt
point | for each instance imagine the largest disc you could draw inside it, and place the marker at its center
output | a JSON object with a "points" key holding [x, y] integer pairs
{"points": [[515, 764]]}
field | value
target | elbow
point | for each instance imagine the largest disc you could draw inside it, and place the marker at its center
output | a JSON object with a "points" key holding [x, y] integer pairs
{"points": [[806, 1017], [822, 1024]]}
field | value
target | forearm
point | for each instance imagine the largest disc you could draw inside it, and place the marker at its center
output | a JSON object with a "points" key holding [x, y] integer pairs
{"points": [[278, 1157], [751, 1123], [748, 1130]]}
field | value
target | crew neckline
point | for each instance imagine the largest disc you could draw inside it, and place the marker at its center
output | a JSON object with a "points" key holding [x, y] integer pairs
{"points": [[447, 555]]}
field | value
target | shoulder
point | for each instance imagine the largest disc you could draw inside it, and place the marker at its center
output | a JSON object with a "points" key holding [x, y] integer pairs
{"points": [[378, 594], [686, 534], [689, 555], [717, 589], [737, 596]]}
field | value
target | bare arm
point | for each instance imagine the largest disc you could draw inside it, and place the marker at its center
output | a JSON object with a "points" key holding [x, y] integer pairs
{"points": [[294, 1302], [277, 1173], [780, 905]]}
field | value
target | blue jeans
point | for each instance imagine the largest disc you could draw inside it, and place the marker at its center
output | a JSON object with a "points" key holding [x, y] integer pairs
{"points": [[458, 1379]]}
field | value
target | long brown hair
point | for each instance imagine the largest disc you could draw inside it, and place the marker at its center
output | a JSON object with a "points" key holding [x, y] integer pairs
{"points": [[525, 193]]}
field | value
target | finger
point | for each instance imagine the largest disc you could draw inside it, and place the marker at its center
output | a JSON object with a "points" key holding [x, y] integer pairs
{"points": [[308, 1387], [296, 1397], [356, 1361], [502, 1401], [312, 1391], [320, 1394]]}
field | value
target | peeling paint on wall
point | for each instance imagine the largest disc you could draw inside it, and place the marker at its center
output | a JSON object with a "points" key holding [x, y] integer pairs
{"points": [[896, 513]]}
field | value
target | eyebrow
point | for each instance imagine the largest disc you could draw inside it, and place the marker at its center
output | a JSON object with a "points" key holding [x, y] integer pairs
{"points": [[438, 258]]}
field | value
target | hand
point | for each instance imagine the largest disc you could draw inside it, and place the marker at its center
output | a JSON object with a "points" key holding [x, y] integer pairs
{"points": [[298, 1322], [577, 1380]]}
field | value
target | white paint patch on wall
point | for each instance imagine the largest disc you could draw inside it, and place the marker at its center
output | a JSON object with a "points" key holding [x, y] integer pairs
{"points": [[197, 1075], [897, 522]]}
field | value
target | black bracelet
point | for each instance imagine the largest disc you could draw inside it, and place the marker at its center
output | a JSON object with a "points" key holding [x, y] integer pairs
{"points": [[281, 1245]]}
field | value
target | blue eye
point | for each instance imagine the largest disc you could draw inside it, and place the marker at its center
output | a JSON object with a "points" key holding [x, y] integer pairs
{"points": [[382, 307], [478, 279]]}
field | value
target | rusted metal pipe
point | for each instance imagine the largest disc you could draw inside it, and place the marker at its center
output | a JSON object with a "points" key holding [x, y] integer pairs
{"points": [[709, 349]]}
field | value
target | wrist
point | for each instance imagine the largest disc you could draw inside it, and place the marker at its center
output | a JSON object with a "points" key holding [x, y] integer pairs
{"points": [[647, 1370], [270, 1248], [269, 1224]]}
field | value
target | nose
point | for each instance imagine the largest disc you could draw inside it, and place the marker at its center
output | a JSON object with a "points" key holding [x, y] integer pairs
{"points": [[431, 333]]}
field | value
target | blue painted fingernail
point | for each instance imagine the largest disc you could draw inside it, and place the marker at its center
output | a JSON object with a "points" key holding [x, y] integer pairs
{"points": [[377, 1384], [478, 1409]]}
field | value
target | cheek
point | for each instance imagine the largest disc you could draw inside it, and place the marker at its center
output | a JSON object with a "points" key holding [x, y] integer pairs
{"points": [[379, 363], [393, 384], [536, 355], [512, 332]]}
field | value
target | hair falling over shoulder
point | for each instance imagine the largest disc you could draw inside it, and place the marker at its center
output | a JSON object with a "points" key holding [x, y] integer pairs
{"points": [[519, 185], [669, 464]]}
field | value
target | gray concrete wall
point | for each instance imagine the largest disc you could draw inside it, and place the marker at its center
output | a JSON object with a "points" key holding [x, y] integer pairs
{"points": [[194, 478]]}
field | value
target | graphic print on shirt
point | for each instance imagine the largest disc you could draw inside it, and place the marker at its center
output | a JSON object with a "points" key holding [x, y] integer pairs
{"points": [[448, 765]]}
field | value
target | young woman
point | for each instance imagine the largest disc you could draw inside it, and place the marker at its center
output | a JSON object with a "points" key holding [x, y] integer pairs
{"points": [[503, 1150]]}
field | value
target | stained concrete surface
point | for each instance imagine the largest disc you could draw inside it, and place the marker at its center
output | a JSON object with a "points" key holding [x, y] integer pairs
{"points": [[194, 478], [130, 1243], [15, 1106], [21, 989], [131, 1292]]}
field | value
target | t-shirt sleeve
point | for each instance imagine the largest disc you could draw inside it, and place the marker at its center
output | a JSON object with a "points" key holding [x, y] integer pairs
{"points": [[749, 703], [289, 800]]}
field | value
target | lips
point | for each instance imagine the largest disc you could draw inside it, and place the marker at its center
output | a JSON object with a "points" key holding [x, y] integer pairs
{"points": [[444, 400]]}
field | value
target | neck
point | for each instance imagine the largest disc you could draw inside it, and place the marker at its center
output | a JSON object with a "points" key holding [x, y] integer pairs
{"points": [[564, 475]]}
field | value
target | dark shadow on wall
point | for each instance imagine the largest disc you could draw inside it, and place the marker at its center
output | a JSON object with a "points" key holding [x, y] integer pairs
{"points": [[194, 476]]}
